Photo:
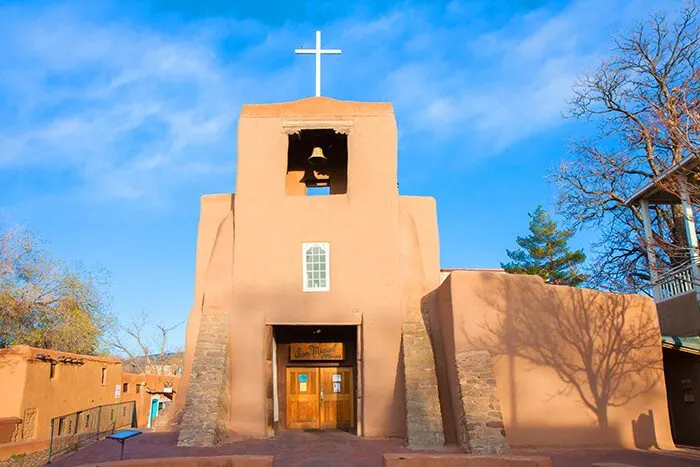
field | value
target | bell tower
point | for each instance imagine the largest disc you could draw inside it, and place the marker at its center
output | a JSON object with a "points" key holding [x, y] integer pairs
{"points": [[316, 237]]}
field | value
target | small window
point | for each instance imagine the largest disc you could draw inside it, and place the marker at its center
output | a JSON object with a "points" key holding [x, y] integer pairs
{"points": [[138, 388], [125, 388], [316, 260], [52, 371], [104, 375]]}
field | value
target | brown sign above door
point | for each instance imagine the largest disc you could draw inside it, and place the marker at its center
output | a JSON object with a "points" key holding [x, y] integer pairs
{"points": [[316, 351]]}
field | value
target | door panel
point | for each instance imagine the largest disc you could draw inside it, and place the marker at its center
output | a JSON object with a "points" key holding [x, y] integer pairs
{"points": [[302, 398], [337, 398]]}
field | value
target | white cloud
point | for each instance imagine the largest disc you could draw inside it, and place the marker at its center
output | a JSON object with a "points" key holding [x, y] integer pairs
{"points": [[507, 84], [136, 110], [127, 107]]}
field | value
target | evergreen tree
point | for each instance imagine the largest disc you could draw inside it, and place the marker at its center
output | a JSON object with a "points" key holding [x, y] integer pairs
{"points": [[545, 253]]}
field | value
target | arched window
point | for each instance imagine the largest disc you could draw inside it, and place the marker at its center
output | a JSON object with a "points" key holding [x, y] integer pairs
{"points": [[315, 260]]}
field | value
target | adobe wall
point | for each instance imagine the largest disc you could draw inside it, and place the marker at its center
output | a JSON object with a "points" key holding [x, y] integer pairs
{"points": [[420, 273], [214, 210], [23, 447], [74, 387], [267, 271], [212, 461], [419, 248], [550, 346], [679, 316], [13, 374], [464, 460]]}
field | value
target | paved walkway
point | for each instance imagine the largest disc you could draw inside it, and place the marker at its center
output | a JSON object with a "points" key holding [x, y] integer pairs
{"points": [[326, 449]]}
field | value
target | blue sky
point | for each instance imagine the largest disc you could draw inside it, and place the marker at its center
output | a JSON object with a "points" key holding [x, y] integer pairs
{"points": [[115, 117]]}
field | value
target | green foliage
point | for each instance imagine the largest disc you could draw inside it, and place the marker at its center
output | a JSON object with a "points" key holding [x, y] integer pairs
{"points": [[545, 253], [44, 303]]}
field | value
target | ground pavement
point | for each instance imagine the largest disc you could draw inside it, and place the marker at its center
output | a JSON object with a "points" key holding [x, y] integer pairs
{"points": [[339, 449]]}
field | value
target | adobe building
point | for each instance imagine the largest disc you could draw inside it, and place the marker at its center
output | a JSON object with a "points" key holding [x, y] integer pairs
{"points": [[676, 291], [151, 393], [40, 386], [319, 304]]}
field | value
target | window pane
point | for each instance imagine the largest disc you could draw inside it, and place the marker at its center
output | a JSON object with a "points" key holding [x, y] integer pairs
{"points": [[315, 266]]}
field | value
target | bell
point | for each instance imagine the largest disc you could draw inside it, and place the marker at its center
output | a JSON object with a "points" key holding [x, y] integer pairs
{"points": [[317, 158]]}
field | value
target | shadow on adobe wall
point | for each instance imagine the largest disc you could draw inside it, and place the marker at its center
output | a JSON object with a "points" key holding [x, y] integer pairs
{"points": [[605, 348], [644, 431]]}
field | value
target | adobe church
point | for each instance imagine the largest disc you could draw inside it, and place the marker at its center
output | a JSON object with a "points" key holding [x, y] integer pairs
{"points": [[319, 305]]}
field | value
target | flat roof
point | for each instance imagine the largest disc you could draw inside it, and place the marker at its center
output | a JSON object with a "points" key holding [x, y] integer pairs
{"points": [[473, 269], [32, 353], [684, 344], [316, 107], [656, 194]]}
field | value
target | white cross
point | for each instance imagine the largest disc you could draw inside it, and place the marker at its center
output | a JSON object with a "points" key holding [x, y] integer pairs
{"points": [[318, 51]]}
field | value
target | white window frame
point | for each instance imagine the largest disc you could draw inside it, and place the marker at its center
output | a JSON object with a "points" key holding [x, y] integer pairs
{"points": [[327, 248]]}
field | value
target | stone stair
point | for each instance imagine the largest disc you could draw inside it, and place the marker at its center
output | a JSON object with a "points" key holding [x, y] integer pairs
{"points": [[424, 430], [206, 408]]}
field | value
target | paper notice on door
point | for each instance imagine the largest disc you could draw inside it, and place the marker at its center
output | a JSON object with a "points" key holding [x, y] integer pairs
{"points": [[336, 387], [336, 378], [302, 387]]}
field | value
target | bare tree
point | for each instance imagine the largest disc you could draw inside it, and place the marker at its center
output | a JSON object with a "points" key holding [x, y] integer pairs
{"points": [[644, 102], [147, 353]]}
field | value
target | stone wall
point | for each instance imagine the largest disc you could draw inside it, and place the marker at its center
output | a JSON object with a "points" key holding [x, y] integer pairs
{"points": [[480, 428], [206, 407], [423, 416]]}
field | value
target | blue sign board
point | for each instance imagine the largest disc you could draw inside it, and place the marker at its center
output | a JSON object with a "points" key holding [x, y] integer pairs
{"points": [[303, 378]]}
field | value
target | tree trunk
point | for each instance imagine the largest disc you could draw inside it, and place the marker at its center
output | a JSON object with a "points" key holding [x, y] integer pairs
{"points": [[602, 415]]}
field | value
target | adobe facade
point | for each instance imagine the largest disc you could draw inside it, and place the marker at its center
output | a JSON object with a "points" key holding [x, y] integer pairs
{"points": [[328, 310], [39, 385]]}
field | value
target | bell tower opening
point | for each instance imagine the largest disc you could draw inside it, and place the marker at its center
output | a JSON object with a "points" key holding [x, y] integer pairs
{"points": [[317, 163]]}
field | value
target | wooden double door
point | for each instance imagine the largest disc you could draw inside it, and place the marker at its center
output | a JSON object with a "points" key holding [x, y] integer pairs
{"points": [[320, 397]]}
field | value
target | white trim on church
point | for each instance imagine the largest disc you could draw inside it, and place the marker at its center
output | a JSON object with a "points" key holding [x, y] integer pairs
{"points": [[315, 259]]}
